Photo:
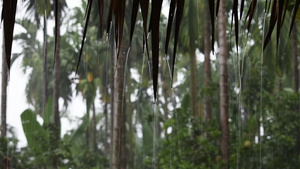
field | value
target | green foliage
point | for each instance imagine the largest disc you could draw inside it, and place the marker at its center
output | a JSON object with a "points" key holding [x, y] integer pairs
{"points": [[34, 132], [192, 143], [260, 96], [70, 152]]}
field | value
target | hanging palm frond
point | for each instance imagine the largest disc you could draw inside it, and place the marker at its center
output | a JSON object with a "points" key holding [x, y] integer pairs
{"points": [[117, 11], [88, 13], [8, 18]]}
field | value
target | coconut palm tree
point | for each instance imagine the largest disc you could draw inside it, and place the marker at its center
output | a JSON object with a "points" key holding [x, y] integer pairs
{"points": [[190, 39], [39, 9]]}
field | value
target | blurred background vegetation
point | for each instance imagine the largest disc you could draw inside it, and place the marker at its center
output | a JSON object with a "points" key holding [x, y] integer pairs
{"points": [[182, 127]]}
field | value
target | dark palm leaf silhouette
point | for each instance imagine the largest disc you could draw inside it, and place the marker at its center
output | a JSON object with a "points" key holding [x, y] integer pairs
{"points": [[117, 11]]}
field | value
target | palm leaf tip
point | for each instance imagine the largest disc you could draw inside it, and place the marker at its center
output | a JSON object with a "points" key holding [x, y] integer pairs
{"points": [[170, 22], [8, 17], [88, 13], [179, 14], [154, 27], [293, 17], [135, 8]]}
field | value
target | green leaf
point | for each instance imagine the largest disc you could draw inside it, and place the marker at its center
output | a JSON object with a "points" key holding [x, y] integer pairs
{"points": [[34, 132]]}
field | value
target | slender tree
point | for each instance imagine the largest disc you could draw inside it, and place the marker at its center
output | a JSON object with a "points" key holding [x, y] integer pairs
{"points": [[223, 82], [4, 103], [4, 92], [42, 9], [295, 59], [190, 39], [45, 60], [118, 99], [192, 52], [112, 114], [57, 71], [207, 70]]}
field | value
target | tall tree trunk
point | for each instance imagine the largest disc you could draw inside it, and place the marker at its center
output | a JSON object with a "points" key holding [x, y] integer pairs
{"points": [[45, 63], [223, 82], [193, 84], [5, 161], [118, 99], [122, 155], [207, 70], [56, 85], [3, 92], [296, 74], [95, 147], [295, 60], [113, 92]]}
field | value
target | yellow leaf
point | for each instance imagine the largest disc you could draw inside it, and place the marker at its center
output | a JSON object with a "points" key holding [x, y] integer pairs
{"points": [[90, 77]]}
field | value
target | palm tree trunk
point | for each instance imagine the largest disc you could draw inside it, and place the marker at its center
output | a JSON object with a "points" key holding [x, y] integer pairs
{"points": [[56, 79], [5, 160], [223, 82], [122, 154], [94, 130], [45, 63], [128, 108], [193, 83], [295, 60], [207, 70], [118, 99], [3, 92], [112, 114]]}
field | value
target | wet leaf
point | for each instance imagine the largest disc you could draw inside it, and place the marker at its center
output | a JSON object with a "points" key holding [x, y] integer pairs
{"points": [[279, 15], [144, 8], [217, 8], [296, 6], [8, 17], [154, 23], [179, 14], [236, 21], [88, 13], [135, 7], [251, 12], [285, 9], [170, 23], [273, 20], [242, 8]]}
